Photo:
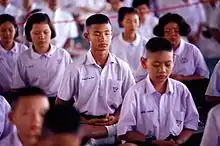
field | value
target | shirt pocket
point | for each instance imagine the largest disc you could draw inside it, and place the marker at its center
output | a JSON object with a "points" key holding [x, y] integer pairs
{"points": [[177, 122], [36, 75], [149, 120], [114, 95]]}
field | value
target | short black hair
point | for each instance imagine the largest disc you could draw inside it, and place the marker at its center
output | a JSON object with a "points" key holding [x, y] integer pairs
{"points": [[123, 11], [109, 1], [61, 119], [25, 92], [38, 18], [97, 19], [8, 18], [184, 28], [157, 44], [137, 3]]}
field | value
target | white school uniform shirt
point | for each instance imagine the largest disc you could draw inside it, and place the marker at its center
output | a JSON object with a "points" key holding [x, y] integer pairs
{"points": [[129, 52], [11, 9], [211, 135], [96, 91], [45, 71], [147, 111], [11, 140], [209, 46], [64, 30], [6, 128], [214, 20], [8, 60], [213, 88], [189, 61], [146, 29]]}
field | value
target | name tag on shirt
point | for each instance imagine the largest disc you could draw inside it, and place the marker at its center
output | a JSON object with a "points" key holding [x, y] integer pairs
{"points": [[88, 78]]}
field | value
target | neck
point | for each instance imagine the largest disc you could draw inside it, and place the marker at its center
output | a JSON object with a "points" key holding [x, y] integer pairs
{"points": [[142, 19], [160, 87], [100, 57], [129, 37], [27, 7], [116, 8], [41, 50], [53, 9], [175, 47], [7, 46], [27, 141]]}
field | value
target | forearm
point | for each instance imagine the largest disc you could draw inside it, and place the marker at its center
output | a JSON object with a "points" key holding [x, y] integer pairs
{"points": [[91, 131], [192, 77], [133, 136], [184, 136], [213, 99]]}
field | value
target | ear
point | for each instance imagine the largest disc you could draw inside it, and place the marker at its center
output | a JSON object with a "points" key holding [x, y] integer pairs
{"points": [[10, 116], [86, 35], [144, 62]]}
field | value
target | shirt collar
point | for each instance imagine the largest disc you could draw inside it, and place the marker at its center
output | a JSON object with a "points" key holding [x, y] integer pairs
{"points": [[90, 59], [49, 54], [134, 43], [151, 90], [2, 7], [180, 49], [13, 50]]}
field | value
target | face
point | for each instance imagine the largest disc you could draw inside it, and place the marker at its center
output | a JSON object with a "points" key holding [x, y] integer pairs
{"points": [[53, 4], [100, 36], [7, 32], [41, 35], [60, 140], [4, 2], [131, 22], [142, 10], [159, 65], [28, 115], [115, 3], [171, 33]]}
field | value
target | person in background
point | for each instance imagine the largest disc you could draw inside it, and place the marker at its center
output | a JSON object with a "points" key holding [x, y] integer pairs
{"points": [[207, 43], [43, 64], [97, 82], [6, 7], [147, 19], [112, 13], [61, 20], [29, 106], [61, 129], [189, 63], [129, 45], [158, 111], [9, 52]]}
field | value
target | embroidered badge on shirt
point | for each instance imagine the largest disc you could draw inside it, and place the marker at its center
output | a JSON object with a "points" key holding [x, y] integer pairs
{"points": [[184, 60], [178, 123], [115, 89], [59, 61]]}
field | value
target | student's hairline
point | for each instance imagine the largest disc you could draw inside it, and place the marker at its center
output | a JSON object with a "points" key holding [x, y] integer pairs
{"points": [[14, 103]]}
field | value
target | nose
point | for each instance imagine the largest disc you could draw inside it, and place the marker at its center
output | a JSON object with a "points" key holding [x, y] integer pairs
{"points": [[36, 119], [162, 69], [41, 36], [102, 37]]}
